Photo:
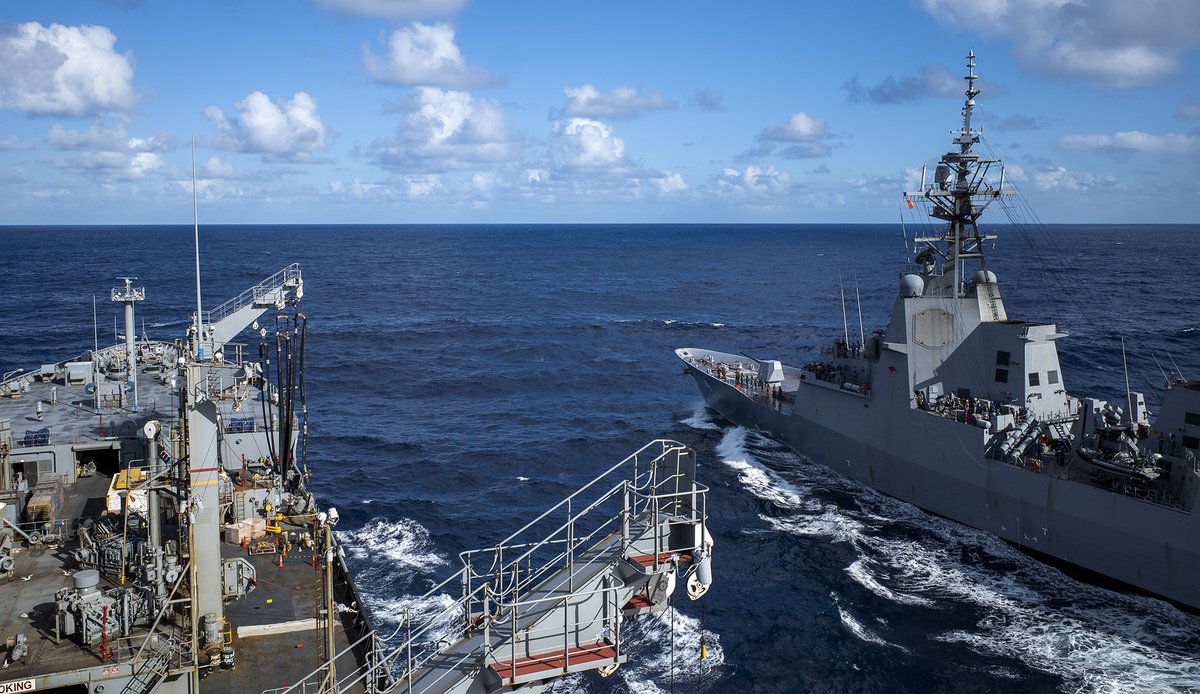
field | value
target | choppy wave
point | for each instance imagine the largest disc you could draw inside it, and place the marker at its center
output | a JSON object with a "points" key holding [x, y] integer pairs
{"points": [[434, 618], [856, 627], [665, 648], [700, 419], [1093, 638], [399, 543], [664, 656]]}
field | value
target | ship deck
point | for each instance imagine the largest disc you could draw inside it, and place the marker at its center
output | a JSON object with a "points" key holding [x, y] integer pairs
{"points": [[739, 373], [284, 598], [70, 414], [283, 643]]}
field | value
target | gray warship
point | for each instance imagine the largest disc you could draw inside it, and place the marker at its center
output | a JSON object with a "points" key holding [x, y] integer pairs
{"points": [[962, 410], [158, 534]]}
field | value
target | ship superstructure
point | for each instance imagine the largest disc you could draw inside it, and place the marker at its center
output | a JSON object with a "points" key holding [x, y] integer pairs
{"points": [[963, 411]]}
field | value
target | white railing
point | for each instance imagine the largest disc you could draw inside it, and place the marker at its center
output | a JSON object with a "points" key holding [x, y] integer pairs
{"points": [[284, 278], [652, 488]]}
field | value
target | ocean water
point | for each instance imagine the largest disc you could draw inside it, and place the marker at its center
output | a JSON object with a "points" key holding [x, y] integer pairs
{"points": [[462, 379]]}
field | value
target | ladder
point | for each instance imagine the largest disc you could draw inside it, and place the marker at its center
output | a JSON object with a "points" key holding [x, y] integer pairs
{"points": [[146, 678]]}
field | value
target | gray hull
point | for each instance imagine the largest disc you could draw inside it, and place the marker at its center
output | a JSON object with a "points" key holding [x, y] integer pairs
{"points": [[939, 465]]}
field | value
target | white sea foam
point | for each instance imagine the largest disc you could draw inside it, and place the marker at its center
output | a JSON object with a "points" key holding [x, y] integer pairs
{"points": [[865, 578], [522, 478], [434, 618], [1095, 639], [755, 478], [571, 684], [653, 664], [700, 419], [856, 627], [827, 522], [402, 542]]}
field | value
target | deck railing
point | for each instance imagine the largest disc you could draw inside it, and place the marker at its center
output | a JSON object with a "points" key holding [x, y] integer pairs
{"points": [[635, 495]]}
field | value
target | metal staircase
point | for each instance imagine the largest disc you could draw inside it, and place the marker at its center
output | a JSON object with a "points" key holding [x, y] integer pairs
{"points": [[148, 675], [550, 599], [230, 318]]}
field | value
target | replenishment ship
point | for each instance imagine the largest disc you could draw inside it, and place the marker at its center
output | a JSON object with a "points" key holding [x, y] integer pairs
{"points": [[963, 411], [158, 534]]}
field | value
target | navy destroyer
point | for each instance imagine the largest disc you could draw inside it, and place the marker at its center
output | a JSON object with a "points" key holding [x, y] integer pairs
{"points": [[158, 534], [962, 410]]}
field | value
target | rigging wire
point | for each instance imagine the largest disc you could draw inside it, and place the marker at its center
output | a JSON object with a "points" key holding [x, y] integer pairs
{"points": [[1035, 235]]}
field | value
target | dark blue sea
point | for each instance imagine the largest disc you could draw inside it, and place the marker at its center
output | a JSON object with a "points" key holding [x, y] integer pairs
{"points": [[462, 379]]}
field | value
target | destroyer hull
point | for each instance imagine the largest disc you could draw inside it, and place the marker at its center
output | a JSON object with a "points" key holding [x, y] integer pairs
{"points": [[938, 465]]}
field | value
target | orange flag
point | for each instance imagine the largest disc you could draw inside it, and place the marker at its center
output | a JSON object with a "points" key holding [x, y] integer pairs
{"points": [[910, 205]]}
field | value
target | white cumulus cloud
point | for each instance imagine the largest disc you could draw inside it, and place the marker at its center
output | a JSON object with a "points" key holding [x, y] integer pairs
{"points": [[801, 127], [423, 186], [444, 130], [97, 138], [393, 9], [423, 54], [1060, 179], [622, 102], [753, 181], [802, 134], [114, 165], [587, 143], [934, 80], [1111, 43], [216, 167], [1135, 141], [110, 153], [670, 182], [64, 70], [288, 130]]}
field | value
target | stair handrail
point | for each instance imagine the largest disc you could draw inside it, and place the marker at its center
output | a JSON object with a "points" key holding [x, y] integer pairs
{"points": [[283, 278]]}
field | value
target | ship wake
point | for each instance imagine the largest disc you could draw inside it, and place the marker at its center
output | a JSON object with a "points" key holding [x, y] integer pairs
{"points": [[967, 587], [388, 557]]}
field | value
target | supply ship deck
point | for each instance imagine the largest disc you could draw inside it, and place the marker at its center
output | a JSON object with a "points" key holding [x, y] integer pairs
{"points": [[157, 534]]}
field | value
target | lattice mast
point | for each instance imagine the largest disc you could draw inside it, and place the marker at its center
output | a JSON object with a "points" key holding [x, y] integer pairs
{"points": [[959, 195]]}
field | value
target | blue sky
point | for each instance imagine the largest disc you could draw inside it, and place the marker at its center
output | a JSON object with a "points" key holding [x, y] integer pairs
{"points": [[450, 111]]}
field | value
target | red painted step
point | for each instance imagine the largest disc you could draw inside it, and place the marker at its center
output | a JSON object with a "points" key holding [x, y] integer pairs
{"points": [[638, 602], [555, 661], [663, 558]]}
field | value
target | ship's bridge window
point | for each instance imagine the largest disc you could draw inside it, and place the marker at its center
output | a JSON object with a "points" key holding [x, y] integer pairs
{"points": [[1002, 359], [1052, 376], [1033, 379], [1191, 442], [1191, 418]]}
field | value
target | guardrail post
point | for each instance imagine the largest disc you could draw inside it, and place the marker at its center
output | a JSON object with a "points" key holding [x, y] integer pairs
{"points": [[487, 622], [408, 646], [570, 548], [625, 517]]}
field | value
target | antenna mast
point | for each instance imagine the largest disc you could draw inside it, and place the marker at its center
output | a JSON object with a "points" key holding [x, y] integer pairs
{"points": [[862, 335], [196, 239], [959, 196], [845, 320]]}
